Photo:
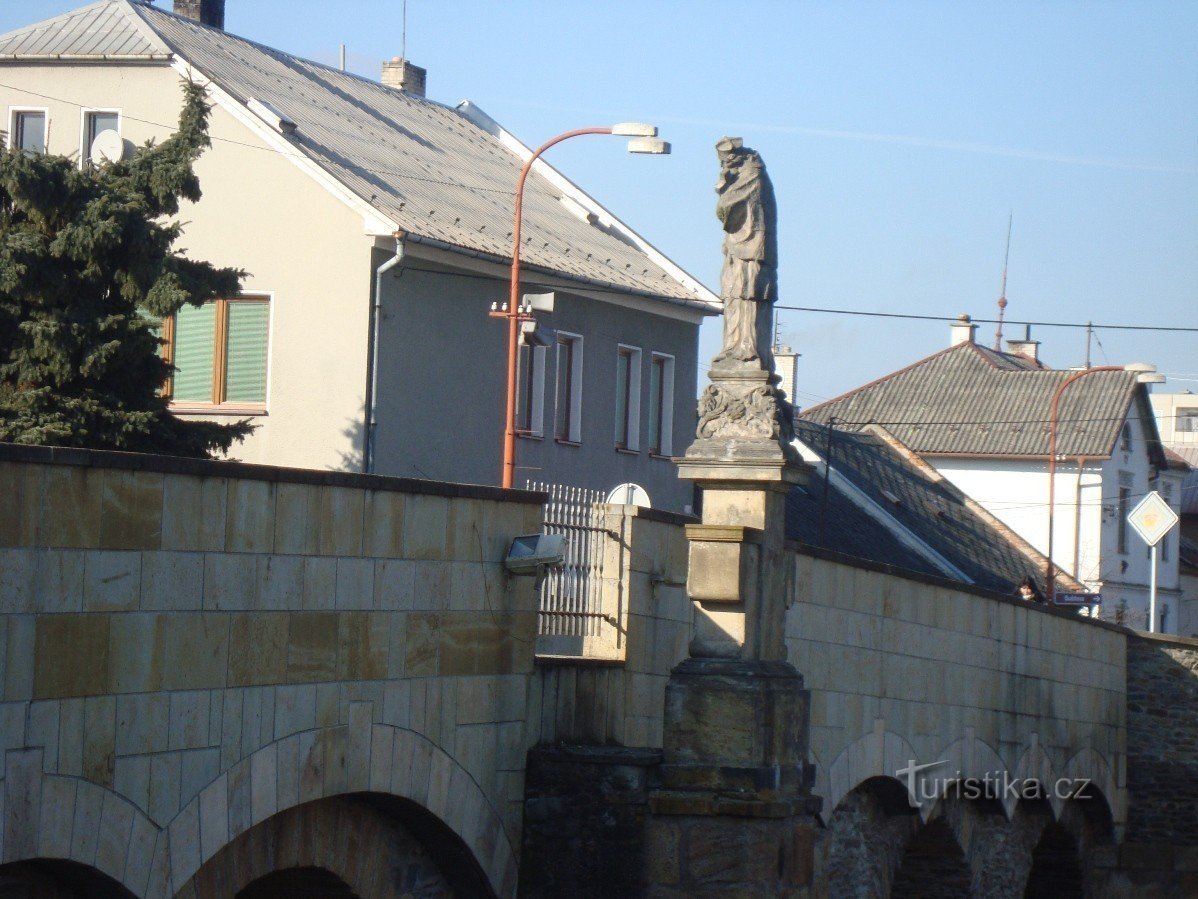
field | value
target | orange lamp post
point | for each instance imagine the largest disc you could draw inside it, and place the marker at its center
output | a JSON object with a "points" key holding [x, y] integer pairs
{"points": [[643, 140]]}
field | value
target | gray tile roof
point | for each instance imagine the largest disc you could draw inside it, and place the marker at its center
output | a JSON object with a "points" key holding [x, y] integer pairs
{"points": [[933, 512], [974, 401], [425, 166], [102, 30]]}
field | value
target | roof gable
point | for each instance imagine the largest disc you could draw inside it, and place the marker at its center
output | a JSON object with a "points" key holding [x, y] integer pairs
{"points": [[968, 400]]}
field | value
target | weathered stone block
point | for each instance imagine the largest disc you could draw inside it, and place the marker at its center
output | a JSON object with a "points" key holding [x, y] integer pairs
{"points": [[342, 512], [71, 507], [70, 655], [131, 510], [384, 517], [426, 527], [312, 646], [196, 651], [258, 648]]}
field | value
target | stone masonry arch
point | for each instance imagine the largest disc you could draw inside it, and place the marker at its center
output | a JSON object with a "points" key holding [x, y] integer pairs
{"points": [[71, 819], [359, 845], [331, 762]]}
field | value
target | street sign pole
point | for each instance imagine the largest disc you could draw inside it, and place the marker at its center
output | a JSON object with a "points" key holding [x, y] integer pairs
{"points": [[1153, 519], [1152, 594]]}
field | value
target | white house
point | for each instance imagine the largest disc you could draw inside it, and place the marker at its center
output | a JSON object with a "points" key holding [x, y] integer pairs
{"points": [[1177, 420], [980, 417], [375, 225]]}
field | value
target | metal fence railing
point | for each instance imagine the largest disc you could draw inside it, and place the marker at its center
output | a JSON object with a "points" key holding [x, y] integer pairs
{"points": [[571, 594]]}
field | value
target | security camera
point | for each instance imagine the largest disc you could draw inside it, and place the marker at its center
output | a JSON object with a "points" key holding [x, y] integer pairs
{"points": [[533, 553]]}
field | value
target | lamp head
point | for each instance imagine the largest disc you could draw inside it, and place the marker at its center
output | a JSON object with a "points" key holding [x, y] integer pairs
{"points": [[634, 129], [651, 146]]}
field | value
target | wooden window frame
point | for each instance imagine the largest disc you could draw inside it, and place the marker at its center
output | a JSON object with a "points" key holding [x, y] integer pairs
{"points": [[220, 338]]}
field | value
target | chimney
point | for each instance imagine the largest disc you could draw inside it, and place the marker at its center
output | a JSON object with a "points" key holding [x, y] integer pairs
{"points": [[1025, 346], [786, 363], [403, 76], [963, 330], [206, 12]]}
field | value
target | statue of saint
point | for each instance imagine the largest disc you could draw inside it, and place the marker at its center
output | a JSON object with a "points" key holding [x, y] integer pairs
{"points": [[749, 282]]}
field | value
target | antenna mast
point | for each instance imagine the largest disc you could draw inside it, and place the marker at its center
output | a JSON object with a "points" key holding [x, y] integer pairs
{"points": [[403, 34], [1002, 298]]}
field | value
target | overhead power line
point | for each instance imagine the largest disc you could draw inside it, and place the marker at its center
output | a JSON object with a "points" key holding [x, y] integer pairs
{"points": [[986, 321]]}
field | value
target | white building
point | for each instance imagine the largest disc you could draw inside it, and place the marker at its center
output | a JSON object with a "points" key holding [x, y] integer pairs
{"points": [[1177, 420], [980, 417]]}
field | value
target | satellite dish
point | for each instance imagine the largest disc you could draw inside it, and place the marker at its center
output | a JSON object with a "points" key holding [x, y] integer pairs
{"points": [[630, 495], [108, 146]]}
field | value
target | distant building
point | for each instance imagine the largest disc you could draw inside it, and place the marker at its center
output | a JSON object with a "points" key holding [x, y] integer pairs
{"points": [[1177, 419], [871, 498], [980, 418], [375, 225]]}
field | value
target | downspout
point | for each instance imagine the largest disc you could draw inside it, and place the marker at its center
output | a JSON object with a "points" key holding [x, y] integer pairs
{"points": [[372, 364]]}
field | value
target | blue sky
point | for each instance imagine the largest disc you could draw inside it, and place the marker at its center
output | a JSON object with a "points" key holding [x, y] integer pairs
{"points": [[899, 137]]}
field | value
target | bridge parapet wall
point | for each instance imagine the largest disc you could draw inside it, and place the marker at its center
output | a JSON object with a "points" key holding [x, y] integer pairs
{"points": [[905, 670], [173, 632]]}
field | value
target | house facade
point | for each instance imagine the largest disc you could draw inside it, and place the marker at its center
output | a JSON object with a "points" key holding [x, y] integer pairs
{"points": [[375, 228], [980, 418], [1177, 420]]}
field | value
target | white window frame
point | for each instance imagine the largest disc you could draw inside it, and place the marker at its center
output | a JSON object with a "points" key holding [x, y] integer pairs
{"points": [[666, 412], [1189, 415], [85, 150], [574, 434], [14, 111], [633, 412], [536, 415]]}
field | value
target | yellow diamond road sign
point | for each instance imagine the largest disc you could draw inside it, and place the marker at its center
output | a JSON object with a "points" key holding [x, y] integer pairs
{"points": [[1152, 518]]}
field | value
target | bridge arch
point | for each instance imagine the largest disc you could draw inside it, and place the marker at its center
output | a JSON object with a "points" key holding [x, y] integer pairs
{"points": [[358, 846], [390, 764], [865, 837], [75, 832]]}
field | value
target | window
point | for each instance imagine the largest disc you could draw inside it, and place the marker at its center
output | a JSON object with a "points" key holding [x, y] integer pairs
{"points": [[1187, 421], [94, 122], [567, 422], [628, 398], [530, 410], [1125, 439], [29, 130], [661, 404], [1124, 498], [219, 353]]}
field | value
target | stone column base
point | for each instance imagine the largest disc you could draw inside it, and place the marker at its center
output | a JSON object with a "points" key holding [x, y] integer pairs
{"points": [[746, 851]]}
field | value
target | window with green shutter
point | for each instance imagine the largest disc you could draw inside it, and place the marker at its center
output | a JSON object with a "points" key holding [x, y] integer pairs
{"points": [[219, 353]]}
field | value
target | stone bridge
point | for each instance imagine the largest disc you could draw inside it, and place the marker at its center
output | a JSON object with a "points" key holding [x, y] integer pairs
{"points": [[223, 680]]}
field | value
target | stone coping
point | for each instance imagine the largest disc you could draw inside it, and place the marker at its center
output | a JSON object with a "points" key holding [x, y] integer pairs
{"points": [[210, 468], [1174, 639], [828, 555], [659, 515]]}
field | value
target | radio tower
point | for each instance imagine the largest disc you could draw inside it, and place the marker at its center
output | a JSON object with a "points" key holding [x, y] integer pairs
{"points": [[1002, 299]]}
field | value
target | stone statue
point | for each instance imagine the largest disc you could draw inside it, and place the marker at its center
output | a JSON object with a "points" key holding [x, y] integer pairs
{"points": [[742, 413], [749, 282]]}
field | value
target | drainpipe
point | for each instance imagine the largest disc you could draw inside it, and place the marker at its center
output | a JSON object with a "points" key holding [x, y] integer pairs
{"points": [[372, 370]]}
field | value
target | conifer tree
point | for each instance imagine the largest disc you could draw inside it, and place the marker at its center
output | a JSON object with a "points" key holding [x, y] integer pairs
{"points": [[88, 270]]}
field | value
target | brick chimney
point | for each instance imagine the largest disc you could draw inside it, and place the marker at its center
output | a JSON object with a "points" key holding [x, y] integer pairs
{"points": [[1025, 346], [963, 331], [403, 76], [206, 12]]}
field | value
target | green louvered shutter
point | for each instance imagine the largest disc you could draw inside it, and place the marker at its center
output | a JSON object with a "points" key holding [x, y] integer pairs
{"points": [[195, 343], [245, 365]]}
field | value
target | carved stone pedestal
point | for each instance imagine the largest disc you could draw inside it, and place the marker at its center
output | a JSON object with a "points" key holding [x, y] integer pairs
{"points": [[734, 816]]}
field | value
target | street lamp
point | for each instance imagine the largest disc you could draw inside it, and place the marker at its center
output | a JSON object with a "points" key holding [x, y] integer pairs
{"points": [[642, 139], [1145, 374]]}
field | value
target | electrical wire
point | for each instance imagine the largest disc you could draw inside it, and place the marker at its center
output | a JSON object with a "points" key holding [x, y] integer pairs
{"points": [[987, 321]]}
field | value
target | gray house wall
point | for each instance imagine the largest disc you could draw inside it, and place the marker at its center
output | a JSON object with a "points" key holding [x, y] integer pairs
{"points": [[441, 354]]}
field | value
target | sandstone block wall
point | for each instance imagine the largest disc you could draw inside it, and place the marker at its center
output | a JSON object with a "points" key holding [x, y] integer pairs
{"points": [[902, 668], [187, 647]]}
